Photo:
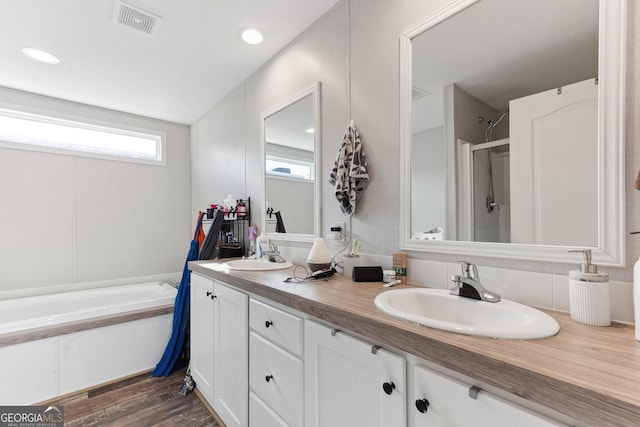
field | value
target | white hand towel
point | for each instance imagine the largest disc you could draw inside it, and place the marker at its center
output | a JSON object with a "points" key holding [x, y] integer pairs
{"points": [[349, 174]]}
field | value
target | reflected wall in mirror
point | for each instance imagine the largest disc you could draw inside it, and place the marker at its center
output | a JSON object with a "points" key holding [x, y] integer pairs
{"points": [[512, 129], [291, 141]]}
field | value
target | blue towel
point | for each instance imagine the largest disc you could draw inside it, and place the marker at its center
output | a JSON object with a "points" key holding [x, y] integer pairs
{"points": [[180, 315]]}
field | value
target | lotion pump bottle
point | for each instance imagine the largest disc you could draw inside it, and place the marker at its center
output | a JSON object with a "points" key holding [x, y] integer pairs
{"points": [[589, 299]]}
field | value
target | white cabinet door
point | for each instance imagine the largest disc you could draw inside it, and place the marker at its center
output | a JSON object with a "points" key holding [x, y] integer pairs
{"points": [[440, 401], [201, 324], [220, 349], [231, 355], [350, 383]]}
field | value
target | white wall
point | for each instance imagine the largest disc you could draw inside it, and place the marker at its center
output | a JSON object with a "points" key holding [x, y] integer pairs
{"points": [[297, 196], [354, 52], [218, 153], [226, 141], [66, 220], [427, 185]]}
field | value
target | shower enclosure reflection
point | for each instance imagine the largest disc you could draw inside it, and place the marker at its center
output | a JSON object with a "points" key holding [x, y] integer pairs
{"points": [[490, 204]]}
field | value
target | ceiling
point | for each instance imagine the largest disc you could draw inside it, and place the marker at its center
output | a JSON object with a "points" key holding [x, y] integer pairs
{"points": [[193, 59]]}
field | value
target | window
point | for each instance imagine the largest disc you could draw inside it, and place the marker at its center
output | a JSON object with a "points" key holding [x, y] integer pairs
{"points": [[52, 134], [289, 168]]}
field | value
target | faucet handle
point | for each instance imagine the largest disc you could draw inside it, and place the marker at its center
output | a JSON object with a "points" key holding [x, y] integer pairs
{"points": [[469, 270]]}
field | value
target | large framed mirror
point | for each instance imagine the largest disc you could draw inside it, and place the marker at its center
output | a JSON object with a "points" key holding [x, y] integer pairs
{"points": [[512, 130], [291, 135]]}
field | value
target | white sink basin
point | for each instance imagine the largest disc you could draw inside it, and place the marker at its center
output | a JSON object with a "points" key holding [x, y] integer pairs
{"points": [[438, 309], [256, 265]]}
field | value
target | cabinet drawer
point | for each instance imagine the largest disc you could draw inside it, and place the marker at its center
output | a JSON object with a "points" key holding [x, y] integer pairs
{"points": [[277, 326], [276, 376], [449, 404], [261, 415]]}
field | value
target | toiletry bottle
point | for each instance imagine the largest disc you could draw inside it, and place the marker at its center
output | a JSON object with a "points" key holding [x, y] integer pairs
{"points": [[636, 296], [229, 204], [262, 244], [241, 209], [348, 262], [400, 266], [589, 299], [253, 233], [388, 276]]}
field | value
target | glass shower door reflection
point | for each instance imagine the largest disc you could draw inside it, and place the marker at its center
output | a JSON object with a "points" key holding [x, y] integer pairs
{"points": [[490, 185]]}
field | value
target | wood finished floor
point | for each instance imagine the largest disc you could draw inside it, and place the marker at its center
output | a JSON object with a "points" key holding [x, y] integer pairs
{"points": [[143, 400]]}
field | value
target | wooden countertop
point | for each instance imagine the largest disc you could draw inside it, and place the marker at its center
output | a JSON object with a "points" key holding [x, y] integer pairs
{"points": [[590, 374]]}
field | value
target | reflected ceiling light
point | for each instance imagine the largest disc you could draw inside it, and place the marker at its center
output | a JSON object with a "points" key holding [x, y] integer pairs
{"points": [[251, 36], [310, 130], [40, 55]]}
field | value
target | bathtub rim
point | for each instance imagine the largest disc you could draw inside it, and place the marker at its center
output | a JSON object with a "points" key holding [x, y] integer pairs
{"points": [[85, 286], [19, 337]]}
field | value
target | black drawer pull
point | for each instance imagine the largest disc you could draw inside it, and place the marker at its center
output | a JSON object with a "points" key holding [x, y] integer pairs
{"points": [[422, 405], [268, 378], [388, 387], [268, 323]]}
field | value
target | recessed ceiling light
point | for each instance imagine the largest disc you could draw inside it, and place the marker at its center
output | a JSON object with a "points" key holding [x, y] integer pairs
{"points": [[40, 55], [251, 36], [310, 130]]}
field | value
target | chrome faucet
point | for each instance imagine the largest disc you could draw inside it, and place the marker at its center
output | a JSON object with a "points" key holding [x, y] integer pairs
{"points": [[273, 254], [468, 284]]}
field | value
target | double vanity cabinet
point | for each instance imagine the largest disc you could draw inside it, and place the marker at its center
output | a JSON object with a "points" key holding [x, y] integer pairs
{"points": [[263, 363]]}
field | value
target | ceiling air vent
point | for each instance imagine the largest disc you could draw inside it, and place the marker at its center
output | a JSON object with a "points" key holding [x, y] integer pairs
{"points": [[135, 18]]}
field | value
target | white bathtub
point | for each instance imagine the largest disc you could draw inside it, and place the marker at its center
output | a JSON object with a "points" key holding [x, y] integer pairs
{"points": [[22, 314], [52, 345]]}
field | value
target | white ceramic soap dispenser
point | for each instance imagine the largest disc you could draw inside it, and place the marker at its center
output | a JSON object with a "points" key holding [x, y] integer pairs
{"points": [[589, 299]]}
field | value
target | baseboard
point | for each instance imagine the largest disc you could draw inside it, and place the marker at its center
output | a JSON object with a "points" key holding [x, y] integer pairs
{"points": [[86, 391], [209, 408]]}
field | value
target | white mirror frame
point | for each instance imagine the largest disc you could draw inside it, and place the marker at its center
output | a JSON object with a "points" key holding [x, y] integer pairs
{"points": [[611, 162], [317, 138]]}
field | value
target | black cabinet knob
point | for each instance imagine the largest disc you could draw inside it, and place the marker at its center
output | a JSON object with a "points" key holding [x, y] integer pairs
{"points": [[268, 323], [209, 293], [214, 296], [388, 387], [422, 405], [268, 378]]}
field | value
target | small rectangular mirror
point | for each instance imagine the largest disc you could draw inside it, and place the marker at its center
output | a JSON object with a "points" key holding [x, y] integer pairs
{"points": [[291, 147]]}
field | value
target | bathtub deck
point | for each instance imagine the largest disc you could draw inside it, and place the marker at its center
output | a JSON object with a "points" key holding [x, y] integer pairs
{"points": [[20, 337], [142, 400]]}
